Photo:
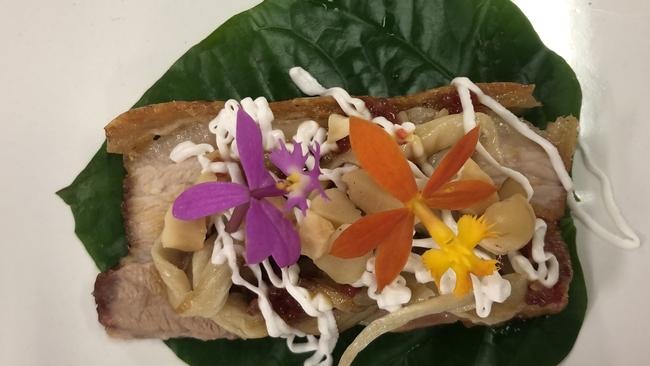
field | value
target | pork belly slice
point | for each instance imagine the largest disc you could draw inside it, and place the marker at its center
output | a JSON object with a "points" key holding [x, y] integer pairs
{"points": [[131, 299], [132, 303]]}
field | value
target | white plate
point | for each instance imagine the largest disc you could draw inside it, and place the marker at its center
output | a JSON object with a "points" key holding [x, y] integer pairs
{"points": [[68, 67]]}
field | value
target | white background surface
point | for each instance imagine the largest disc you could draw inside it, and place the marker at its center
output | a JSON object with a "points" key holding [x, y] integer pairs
{"points": [[68, 67]]}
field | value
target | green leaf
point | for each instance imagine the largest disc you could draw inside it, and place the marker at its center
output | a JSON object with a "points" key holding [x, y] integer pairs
{"points": [[374, 47], [95, 198]]}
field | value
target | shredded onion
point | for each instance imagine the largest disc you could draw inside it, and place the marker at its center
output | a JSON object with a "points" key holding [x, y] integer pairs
{"points": [[400, 317]]}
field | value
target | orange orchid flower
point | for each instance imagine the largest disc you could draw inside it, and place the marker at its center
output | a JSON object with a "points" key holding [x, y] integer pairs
{"points": [[391, 232]]}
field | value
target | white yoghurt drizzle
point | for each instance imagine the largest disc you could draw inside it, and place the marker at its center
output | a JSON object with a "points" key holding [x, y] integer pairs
{"points": [[629, 240], [632, 241], [488, 290], [226, 251], [396, 294], [188, 149], [547, 275], [308, 134], [224, 126], [392, 128], [319, 307], [336, 175], [310, 86]]}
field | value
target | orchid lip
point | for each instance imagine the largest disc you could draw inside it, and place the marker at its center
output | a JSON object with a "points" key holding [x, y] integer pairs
{"points": [[299, 182]]}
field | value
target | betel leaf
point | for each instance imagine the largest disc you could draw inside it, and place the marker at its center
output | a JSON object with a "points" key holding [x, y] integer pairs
{"points": [[95, 198], [374, 47]]}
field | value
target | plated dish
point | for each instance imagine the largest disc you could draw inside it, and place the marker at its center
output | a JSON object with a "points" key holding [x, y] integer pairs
{"points": [[372, 220], [419, 207]]}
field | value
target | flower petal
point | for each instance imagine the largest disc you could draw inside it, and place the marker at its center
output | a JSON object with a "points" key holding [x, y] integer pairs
{"points": [[437, 263], [480, 267], [268, 233], [288, 162], [367, 233], [452, 162], [439, 231], [460, 194], [379, 154], [484, 267], [471, 230], [463, 281], [292, 164], [206, 199], [251, 152], [393, 252]]}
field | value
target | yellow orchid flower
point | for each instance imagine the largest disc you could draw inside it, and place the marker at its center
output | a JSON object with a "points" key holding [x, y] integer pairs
{"points": [[456, 252]]}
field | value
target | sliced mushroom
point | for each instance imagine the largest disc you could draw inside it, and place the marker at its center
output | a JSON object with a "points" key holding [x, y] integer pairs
{"points": [[342, 270], [206, 177], [368, 195], [419, 291], [443, 132], [337, 207], [315, 232], [333, 161], [471, 171], [187, 236], [235, 318], [338, 127], [510, 187], [513, 220], [440, 133], [419, 115]]}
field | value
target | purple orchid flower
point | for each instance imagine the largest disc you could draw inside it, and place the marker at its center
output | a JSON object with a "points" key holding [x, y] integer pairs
{"points": [[299, 183], [268, 232]]}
